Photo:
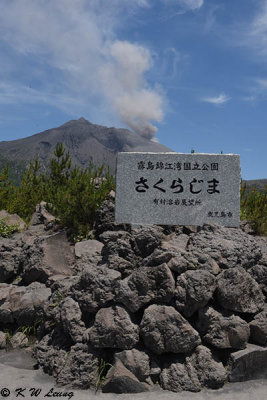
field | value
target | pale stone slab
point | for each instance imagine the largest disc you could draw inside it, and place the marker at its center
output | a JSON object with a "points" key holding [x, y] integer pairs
{"points": [[178, 189], [13, 219], [249, 363], [88, 248]]}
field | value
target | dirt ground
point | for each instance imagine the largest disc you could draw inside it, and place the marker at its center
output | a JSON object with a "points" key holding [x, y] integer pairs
{"points": [[19, 380]]}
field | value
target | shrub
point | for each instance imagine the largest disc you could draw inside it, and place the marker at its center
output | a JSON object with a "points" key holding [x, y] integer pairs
{"points": [[23, 198], [253, 208], [75, 193]]}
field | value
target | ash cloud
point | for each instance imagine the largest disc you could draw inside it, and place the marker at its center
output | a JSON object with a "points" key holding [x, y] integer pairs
{"points": [[130, 95], [74, 42]]}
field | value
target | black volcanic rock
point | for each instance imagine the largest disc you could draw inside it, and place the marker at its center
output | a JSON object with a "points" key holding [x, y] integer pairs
{"points": [[83, 140]]}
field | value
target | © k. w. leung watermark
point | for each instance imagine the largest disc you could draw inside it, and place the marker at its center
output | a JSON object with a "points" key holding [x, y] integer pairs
{"points": [[27, 393]]}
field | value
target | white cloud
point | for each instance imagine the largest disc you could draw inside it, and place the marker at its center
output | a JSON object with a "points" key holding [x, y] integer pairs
{"points": [[257, 32], [74, 44], [253, 32], [262, 83], [256, 90], [217, 100], [186, 4], [11, 94]]}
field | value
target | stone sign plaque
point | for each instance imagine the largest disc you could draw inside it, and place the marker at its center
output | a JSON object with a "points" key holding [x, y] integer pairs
{"points": [[178, 189]]}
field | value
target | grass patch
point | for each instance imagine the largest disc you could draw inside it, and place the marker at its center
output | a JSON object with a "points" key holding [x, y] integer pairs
{"points": [[7, 230]]}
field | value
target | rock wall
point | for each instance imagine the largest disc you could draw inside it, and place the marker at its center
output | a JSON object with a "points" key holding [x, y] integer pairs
{"points": [[182, 307]]}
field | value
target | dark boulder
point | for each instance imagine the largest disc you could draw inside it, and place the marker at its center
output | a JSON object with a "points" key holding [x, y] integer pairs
{"points": [[228, 247], [193, 290], [146, 240], [146, 285], [105, 219], [70, 318], [238, 291], [165, 330], [247, 364], [196, 371], [135, 361], [96, 288], [113, 328], [222, 330], [118, 243], [77, 366], [120, 380], [22, 305], [258, 328], [10, 258], [45, 256], [259, 273]]}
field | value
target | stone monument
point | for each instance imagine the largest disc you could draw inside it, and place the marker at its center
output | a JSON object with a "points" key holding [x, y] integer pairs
{"points": [[178, 189]]}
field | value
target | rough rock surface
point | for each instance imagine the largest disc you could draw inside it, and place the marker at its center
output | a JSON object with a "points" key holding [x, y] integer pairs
{"points": [[47, 256], [175, 242], [135, 361], [146, 240], [2, 340], [80, 368], [238, 291], [77, 367], [222, 330], [105, 219], [71, 319], [10, 258], [89, 249], [180, 260], [22, 305], [120, 380], [259, 273], [118, 243], [113, 328], [119, 304], [120, 264], [180, 376], [146, 285], [193, 290], [96, 288], [41, 216], [199, 370], [165, 330], [12, 219], [19, 340], [248, 363], [210, 372], [228, 247], [258, 328]]}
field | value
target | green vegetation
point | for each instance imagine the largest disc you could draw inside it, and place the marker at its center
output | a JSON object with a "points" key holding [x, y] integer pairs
{"points": [[16, 168], [253, 208], [30, 330], [74, 194], [59, 297], [102, 372], [7, 230]]}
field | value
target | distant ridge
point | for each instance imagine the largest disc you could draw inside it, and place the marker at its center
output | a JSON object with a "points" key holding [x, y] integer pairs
{"points": [[83, 140]]}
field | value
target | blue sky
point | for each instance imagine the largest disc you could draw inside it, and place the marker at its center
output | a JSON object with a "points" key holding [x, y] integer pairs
{"points": [[189, 73]]}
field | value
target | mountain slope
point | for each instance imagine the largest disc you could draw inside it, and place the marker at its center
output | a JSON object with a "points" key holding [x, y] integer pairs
{"points": [[83, 140]]}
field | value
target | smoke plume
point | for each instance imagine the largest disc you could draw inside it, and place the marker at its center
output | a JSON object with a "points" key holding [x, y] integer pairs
{"points": [[130, 96], [74, 42]]}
